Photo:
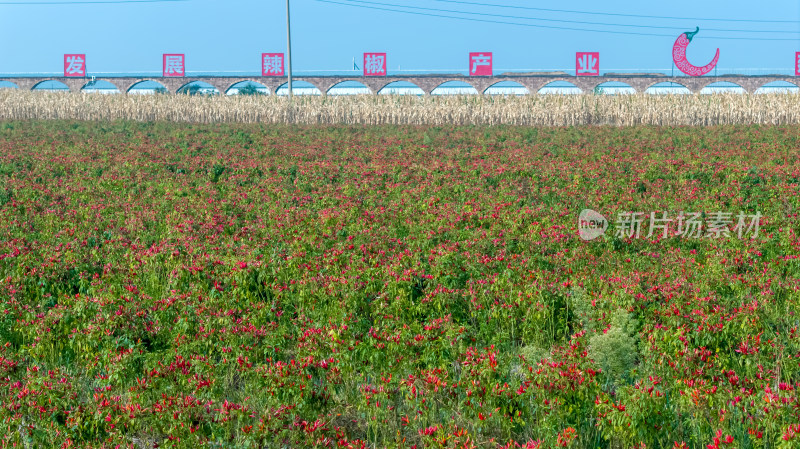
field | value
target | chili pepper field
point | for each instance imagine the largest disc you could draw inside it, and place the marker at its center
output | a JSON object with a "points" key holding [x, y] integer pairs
{"points": [[275, 286]]}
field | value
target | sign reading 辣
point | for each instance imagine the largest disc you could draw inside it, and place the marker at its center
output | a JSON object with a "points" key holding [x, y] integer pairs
{"points": [[74, 65], [374, 64], [480, 64], [271, 64], [174, 65], [587, 63]]}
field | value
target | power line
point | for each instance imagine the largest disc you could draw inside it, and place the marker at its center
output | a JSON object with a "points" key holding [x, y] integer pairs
{"points": [[560, 20], [539, 26], [89, 2], [613, 14]]}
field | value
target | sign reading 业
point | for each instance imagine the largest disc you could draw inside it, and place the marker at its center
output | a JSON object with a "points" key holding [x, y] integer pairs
{"points": [[480, 64], [587, 63], [271, 64], [374, 64], [174, 65], [74, 65]]}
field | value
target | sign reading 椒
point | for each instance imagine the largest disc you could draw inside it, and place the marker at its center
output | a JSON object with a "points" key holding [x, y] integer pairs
{"points": [[174, 65], [374, 64], [480, 64], [587, 63], [797, 64], [74, 65], [271, 64]]}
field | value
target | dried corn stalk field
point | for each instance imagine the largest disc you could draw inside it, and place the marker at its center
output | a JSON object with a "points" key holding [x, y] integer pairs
{"points": [[538, 110]]}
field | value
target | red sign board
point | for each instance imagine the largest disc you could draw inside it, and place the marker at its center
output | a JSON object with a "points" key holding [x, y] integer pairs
{"points": [[271, 64], [74, 65], [587, 63], [679, 55], [374, 64], [797, 64], [174, 65], [480, 64]]}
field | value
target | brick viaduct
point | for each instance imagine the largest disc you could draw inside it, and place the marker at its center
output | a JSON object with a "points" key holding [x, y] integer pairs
{"points": [[639, 82]]}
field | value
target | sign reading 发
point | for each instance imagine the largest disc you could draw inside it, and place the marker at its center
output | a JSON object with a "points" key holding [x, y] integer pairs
{"points": [[174, 65], [374, 64], [587, 63], [480, 64], [271, 64], [797, 64], [74, 65]]}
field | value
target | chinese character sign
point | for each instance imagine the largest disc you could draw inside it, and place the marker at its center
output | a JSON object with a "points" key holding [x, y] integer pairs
{"points": [[480, 64], [74, 65], [374, 64], [587, 63], [271, 64], [174, 65], [797, 64]]}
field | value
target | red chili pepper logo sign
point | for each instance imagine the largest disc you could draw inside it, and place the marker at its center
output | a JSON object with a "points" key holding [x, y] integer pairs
{"points": [[679, 56]]}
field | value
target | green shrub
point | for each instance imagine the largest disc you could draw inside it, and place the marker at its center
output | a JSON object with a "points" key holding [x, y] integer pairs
{"points": [[614, 350]]}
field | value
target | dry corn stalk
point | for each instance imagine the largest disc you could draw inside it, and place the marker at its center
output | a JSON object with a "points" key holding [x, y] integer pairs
{"points": [[531, 110]]}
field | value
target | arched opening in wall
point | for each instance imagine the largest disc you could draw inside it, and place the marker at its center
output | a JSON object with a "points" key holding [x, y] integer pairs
{"points": [[247, 88], [722, 87], [667, 87], [8, 85], [614, 88], [299, 88], [100, 87], [147, 87], [560, 87], [454, 88], [775, 87], [349, 88], [507, 88], [198, 88], [51, 86], [401, 88]]}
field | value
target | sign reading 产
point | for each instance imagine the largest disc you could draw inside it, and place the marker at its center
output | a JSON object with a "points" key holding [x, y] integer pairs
{"points": [[174, 65], [374, 64], [271, 64], [587, 63], [74, 65], [480, 64], [797, 64]]}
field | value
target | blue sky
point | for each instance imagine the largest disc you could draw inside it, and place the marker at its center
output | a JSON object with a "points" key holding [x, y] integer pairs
{"points": [[230, 36]]}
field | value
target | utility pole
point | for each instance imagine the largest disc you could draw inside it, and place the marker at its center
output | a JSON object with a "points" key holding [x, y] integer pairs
{"points": [[289, 47]]}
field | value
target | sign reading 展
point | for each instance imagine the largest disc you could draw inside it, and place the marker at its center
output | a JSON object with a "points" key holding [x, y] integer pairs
{"points": [[797, 64], [174, 65]]}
